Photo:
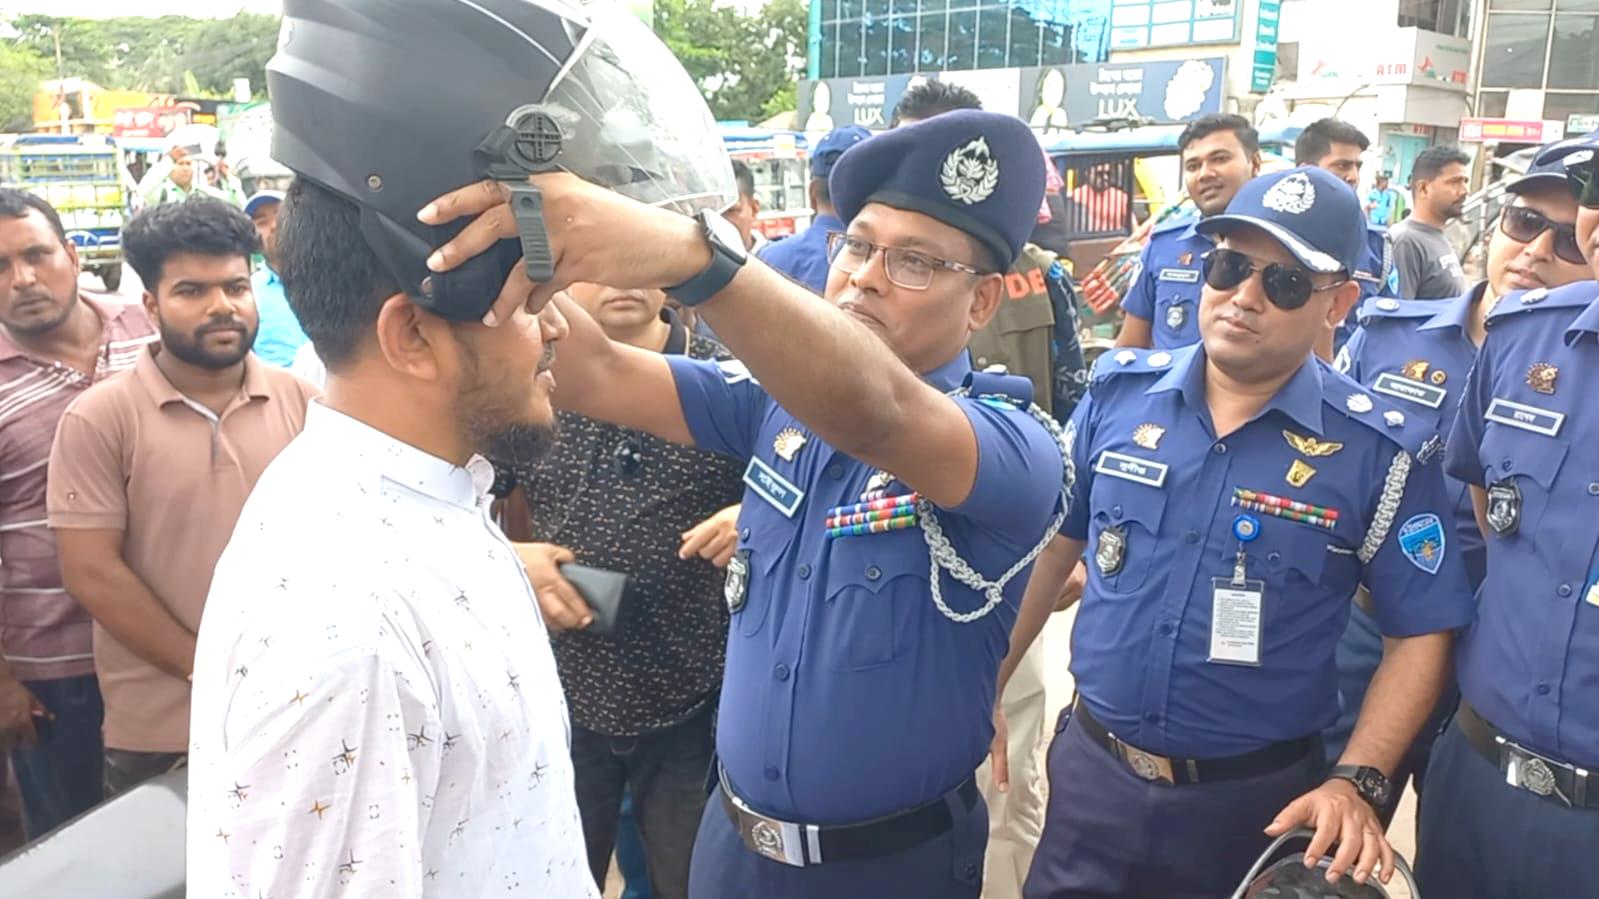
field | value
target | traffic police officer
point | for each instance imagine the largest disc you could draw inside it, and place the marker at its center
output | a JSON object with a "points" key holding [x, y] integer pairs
{"points": [[1219, 153], [888, 529], [1419, 352], [803, 256], [1230, 497], [1512, 807]]}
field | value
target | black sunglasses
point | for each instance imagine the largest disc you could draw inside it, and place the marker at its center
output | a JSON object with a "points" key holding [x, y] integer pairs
{"points": [[1525, 225], [1584, 185], [1288, 287]]}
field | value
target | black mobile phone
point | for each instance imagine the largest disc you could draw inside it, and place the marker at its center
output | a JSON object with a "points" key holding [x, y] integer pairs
{"points": [[602, 590]]}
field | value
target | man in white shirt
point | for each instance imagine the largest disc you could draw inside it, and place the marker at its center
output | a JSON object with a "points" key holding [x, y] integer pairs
{"points": [[376, 709]]}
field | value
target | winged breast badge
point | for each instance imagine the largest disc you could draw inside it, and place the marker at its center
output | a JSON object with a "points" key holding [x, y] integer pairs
{"points": [[1310, 446]]}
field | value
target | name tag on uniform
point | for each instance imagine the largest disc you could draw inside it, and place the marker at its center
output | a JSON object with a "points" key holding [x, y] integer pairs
{"points": [[1131, 468], [1184, 275], [773, 487], [1413, 391], [1527, 418], [1235, 611]]}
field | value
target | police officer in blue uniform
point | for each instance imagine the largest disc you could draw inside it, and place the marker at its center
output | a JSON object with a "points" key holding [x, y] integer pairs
{"points": [[1219, 153], [1230, 496], [891, 517], [1419, 352], [803, 256], [1336, 146], [1512, 803]]}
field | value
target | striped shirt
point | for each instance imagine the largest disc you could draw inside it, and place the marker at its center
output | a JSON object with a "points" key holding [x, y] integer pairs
{"points": [[44, 633]]}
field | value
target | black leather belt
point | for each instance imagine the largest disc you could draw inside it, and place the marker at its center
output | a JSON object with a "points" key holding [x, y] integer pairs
{"points": [[1160, 769], [1541, 775], [802, 845]]}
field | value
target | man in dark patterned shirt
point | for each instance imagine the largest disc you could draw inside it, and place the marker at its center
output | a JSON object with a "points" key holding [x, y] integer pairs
{"points": [[641, 698]]}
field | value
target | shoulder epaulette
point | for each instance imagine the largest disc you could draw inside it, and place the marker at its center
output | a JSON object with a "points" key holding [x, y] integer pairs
{"points": [[1412, 433], [1387, 307], [1121, 361], [1542, 299], [1175, 223]]}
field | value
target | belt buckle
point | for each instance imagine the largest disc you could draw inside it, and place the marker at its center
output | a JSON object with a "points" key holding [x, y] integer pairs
{"points": [[1532, 772], [780, 841], [1147, 765]]}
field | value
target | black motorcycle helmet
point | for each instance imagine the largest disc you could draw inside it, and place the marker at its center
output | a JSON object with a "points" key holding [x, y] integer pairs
{"points": [[1288, 878], [391, 103]]}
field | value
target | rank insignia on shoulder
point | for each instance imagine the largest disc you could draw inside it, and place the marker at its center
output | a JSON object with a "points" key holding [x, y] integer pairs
{"points": [[1159, 359], [1541, 377], [1438, 376], [788, 442], [736, 588], [1148, 434], [1111, 552], [1299, 474], [1421, 539], [1310, 446], [1534, 296], [1504, 507], [1124, 357], [1388, 304], [1416, 369], [1394, 418], [1358, 404]]}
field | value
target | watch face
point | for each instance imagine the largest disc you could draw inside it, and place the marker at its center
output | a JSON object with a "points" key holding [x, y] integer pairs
{"points": [[726, 234], [1374, 785]]}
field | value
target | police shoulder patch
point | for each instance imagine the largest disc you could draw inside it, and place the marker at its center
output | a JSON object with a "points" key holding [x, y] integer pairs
{"points": [[1529, 302]]}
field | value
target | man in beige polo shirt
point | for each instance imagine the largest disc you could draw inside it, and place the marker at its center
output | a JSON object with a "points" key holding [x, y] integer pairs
{"points": [[150, 470]]}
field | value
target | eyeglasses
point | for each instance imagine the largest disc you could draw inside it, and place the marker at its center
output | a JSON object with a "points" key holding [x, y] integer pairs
{"points": [[1287, 286], [910, 269], [1584, 185], [1525, 225]]}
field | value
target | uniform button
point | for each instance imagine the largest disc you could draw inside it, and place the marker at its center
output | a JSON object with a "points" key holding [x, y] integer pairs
{"points": [[1543, 689], [1190, 536], [1505, 465], [971, 871], [835, 471], [1116, 511], [781, 671], [1220, 449], [771, 772], [1152, 717], [745, 534], [804, 571], [1593, 489], [1274, 557], [1564, 590], [1166, 629], [873, 572]]}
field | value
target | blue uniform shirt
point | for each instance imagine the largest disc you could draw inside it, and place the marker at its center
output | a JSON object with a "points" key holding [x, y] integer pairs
{"points": [[280, 335], [1166, 291], [803, 256], [1148, 465], [848, 695], [1376, 279], [1531, 662], [1418, 352]]}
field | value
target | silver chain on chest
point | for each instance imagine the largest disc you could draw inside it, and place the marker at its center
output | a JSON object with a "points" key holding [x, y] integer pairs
{"points": [[942, 554]]}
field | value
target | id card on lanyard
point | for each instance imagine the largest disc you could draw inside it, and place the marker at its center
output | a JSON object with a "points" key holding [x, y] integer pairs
{"points": [[1237, 606]]}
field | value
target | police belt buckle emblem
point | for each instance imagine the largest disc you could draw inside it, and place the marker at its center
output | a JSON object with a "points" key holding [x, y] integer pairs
{"points": [[1536, 774], [780, 841], [1147, 765]]}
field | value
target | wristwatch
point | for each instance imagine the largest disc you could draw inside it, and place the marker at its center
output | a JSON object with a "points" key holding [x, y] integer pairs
{"points": [[1372, 785], [727, 257]]}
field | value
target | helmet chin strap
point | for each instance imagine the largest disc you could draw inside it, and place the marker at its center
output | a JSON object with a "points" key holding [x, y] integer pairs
{"points": [[527, 144]]}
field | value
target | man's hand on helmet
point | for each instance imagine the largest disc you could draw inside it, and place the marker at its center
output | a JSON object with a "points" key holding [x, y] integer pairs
{"points": [[596, 235]]}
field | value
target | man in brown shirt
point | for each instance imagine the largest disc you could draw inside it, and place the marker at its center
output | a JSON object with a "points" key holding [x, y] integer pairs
{"points": [[150, 471], [54, 343]]}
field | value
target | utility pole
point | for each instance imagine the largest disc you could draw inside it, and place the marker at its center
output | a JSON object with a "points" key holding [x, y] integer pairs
{"points": [[61, 83]]}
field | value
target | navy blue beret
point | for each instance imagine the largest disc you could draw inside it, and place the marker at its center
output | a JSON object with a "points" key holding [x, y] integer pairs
{"points": [[978, 172]]}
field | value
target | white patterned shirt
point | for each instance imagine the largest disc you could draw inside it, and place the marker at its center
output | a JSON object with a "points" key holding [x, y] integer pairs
{"points": [[376, 710]]}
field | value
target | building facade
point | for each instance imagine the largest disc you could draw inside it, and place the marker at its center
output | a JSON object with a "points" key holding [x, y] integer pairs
{"points": [[1539, 59]]}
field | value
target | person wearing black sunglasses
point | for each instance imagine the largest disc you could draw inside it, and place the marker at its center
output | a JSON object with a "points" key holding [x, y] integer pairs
{"points": [[1419, 352], [1230, 497], [1512, 800]]}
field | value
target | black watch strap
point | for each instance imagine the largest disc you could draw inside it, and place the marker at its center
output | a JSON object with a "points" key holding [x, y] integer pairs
{"points": [[725, 263], [1372, 785]]}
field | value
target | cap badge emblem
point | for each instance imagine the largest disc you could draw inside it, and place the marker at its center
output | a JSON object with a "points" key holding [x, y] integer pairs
{"points": [[970, 173], [1292, 195]]}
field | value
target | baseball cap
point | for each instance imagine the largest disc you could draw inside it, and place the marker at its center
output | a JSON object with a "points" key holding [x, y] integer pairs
{"points": [[829, 148], [1567, 151], [1542, 172], [261, 198], [1308, 210]]}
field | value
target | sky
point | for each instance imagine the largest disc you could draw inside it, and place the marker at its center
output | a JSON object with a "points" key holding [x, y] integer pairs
{"points": [[100, 9]]}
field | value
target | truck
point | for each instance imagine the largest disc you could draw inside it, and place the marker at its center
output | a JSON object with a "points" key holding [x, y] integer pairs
{"points": [[81, 175]]}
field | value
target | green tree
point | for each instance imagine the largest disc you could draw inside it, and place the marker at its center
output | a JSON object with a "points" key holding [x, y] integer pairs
{"points": [[158, 55], [745, 64], [21, 70]]}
